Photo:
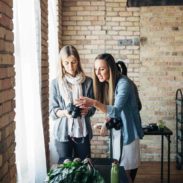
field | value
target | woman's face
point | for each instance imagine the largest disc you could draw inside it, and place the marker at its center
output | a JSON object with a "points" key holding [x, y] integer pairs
{"points": [[70, 65], [101, 70]]}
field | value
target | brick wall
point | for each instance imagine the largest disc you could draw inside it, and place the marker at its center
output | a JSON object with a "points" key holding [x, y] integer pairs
{"points": [[97, 26], [45, 74], [148, 39], [60, 23], [161, 70], [7, 94]]}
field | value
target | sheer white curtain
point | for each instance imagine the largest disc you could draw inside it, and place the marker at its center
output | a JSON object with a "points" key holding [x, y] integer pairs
{"points": [[53, 59], [30, 152]]}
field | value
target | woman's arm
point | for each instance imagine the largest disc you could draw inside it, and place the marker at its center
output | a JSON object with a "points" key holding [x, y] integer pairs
{"points": [[55, 109], [122, 95], [113, 111], [90, 94], [99, 106]]}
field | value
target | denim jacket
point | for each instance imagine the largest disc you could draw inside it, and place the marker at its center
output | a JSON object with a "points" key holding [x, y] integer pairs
{"points": [[126, 107], [60, 128]]}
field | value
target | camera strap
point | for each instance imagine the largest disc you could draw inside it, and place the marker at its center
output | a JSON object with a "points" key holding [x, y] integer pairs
{"points": [[111, 151], [121, 145]]}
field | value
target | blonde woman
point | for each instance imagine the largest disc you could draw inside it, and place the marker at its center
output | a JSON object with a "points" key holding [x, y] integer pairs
{"points": [[115, 96], [72, 128]]}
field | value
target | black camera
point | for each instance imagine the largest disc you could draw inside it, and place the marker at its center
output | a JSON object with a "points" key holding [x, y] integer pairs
{"points": [[114, 123], [150, 127], [73, 110]]}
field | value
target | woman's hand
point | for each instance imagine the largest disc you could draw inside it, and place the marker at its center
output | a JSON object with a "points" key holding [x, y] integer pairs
{"points": [[103, 131], [84, 102], [89, 102], [84, 111], [62, 113]]}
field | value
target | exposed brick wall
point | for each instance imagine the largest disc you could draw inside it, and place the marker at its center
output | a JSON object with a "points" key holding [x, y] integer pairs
{"points": [[97, 26], [60, 24], [161, 70], [7, 94], [45, 74]]}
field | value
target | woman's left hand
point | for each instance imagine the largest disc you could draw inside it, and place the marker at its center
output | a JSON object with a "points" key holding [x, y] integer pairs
{"points": [[84, 111], [103, 130]]}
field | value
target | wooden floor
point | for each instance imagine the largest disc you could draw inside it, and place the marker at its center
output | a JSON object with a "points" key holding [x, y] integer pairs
{"points": [[149, 172]]}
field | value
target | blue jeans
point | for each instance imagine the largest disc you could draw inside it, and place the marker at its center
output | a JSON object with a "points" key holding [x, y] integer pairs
{"points": [[74, 148]]}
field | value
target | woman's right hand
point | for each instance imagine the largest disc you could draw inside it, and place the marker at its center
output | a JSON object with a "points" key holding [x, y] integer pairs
{"points": [[62, 113]]}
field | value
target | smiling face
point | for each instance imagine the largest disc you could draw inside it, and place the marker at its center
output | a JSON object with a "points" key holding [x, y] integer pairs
{"points": [[70, 65], [101, 70]]}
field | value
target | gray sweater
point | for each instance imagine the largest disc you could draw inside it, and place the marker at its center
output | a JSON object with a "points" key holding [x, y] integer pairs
{"points": [[60, 127]]}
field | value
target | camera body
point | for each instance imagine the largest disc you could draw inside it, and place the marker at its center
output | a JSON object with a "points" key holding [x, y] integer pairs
{"points": [[114, 123], [73, 110], [151, 127]]}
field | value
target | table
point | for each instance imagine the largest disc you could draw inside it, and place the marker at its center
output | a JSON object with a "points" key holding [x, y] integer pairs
{"points": [[167, 133]]}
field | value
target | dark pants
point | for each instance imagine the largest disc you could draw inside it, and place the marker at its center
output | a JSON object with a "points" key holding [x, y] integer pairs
{"points": [[133, 174], [74, 148]]}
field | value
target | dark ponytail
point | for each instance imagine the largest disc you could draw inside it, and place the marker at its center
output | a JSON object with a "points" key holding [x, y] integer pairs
{"points": [[122, 67]]}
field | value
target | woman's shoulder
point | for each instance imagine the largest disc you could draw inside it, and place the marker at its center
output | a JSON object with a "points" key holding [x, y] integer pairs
{"points": [[54, 82], [123, 82], [88, 79], [123, 79]]}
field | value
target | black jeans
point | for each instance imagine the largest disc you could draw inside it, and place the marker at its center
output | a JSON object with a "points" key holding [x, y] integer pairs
{"points": [[74, 148], [133, 173]]}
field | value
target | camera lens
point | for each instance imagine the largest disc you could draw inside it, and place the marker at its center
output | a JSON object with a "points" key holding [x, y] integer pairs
{"points": [[76, 112], [109, 125], [73, 110], [69, 108], [117, 126], [113, 123]]}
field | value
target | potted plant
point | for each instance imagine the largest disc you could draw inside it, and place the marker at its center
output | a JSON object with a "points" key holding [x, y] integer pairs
{"points": [[161, 125]]}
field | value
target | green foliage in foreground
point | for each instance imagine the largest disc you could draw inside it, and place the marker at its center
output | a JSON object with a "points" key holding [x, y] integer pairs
{"points": [[75, 172]]}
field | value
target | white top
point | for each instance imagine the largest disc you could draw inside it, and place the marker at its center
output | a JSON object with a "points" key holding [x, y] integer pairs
{"points": [[131, 152]]}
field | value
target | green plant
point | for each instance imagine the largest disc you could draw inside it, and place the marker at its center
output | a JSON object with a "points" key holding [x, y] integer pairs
{"points": [[75, 172], [161, 124]]}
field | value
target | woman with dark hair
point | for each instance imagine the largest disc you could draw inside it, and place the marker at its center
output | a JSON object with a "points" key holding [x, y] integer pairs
{"points": [[115, 96], [72, 128]]}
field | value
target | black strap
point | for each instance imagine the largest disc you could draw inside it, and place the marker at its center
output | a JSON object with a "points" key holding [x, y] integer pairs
{"points": [[121, 145], [111, 151]]}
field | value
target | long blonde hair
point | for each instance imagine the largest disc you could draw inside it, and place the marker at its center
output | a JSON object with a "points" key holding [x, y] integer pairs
{"points": [[104, 91], [67, 51]]}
